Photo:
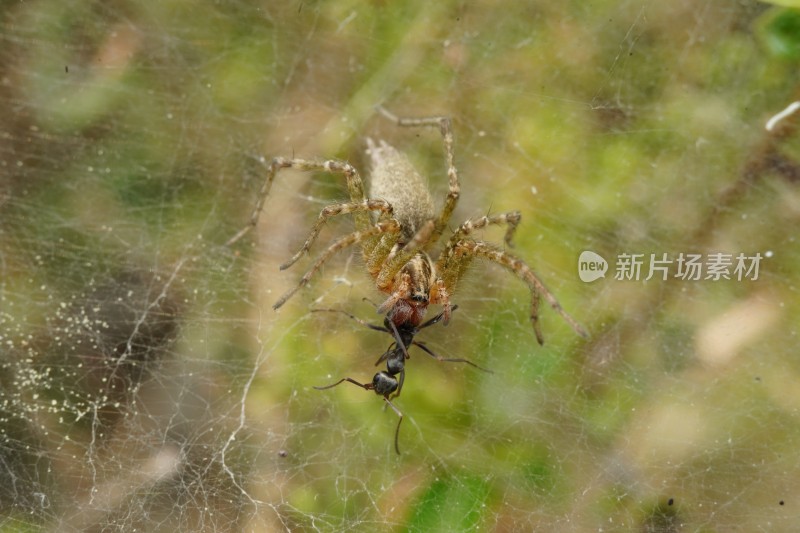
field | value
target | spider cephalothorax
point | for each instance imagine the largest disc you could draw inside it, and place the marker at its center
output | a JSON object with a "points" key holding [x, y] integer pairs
{"points": [[411, 292], [396, 227]]}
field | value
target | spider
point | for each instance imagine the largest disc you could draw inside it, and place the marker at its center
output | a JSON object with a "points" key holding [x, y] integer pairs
{"points": [[397, 226]]}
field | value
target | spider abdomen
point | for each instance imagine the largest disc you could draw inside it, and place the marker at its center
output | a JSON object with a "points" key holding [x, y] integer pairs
{"points": [[395, 180]]}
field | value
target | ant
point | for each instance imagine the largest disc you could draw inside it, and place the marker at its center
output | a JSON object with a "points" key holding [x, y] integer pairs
{"points": [[386, 383]]}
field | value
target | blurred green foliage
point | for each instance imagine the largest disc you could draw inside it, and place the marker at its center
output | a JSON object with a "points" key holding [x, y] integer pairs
{"points": [[147, 384], [779, 30]]}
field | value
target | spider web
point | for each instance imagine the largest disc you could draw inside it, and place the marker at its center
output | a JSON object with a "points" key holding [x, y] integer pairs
{"points": [[146, 384]]}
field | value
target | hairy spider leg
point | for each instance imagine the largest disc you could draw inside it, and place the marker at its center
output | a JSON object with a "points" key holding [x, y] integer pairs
{"points": [[536, 298], [386, 275], [450, 269], [332, 211], [468, 248], [354, 185], [389, 226], [408, 279], [510, 219], [420, 239]]}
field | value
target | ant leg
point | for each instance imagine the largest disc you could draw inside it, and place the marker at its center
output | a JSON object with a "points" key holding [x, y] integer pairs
{"points": [[367, 386], [393, 330], [400, 381], [435, 319], [396, 431], [398, 339], [362, 322], [450, 360], [385, 355]]}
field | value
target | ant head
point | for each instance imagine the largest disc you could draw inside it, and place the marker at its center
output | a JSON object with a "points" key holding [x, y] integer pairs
{"points": [[407, 313], [384, 384]]}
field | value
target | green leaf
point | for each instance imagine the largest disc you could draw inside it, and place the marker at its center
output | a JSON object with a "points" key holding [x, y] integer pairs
{"points": [[451, 504], [779, 31], [785, 3]]}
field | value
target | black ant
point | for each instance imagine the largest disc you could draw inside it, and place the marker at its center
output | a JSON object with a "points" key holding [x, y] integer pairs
{"points": [[386, 383]]}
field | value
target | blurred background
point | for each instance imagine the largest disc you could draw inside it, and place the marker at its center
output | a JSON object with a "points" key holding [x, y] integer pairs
{"points": [[146, 384]]}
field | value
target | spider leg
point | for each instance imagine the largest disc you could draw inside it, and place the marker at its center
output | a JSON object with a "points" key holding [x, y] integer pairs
{"points": [[454, 268], [441, 295], [354, 185], [396, 258], [536, 298], [421, 238], [332, 211], [483, 250], [510, 219], [388, 226], [446, 129]]}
